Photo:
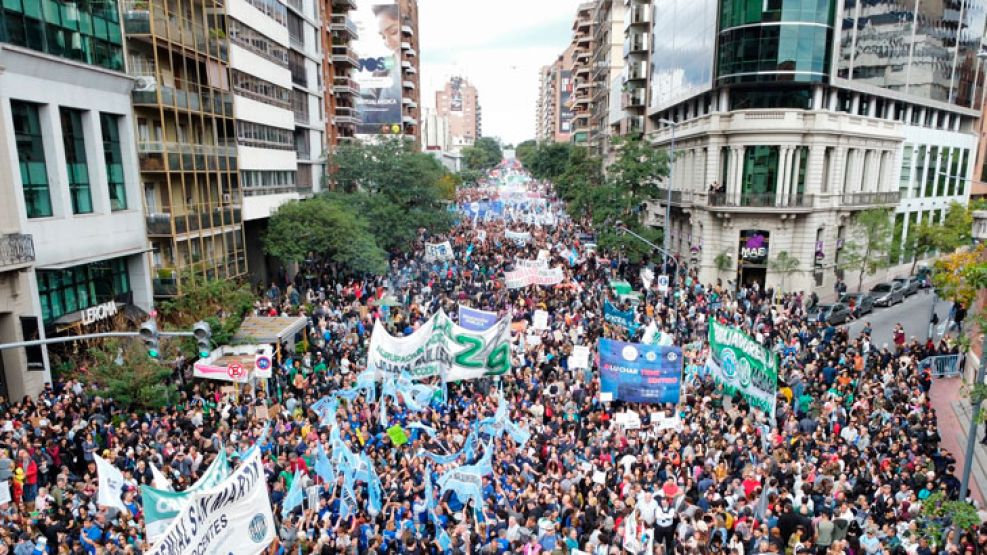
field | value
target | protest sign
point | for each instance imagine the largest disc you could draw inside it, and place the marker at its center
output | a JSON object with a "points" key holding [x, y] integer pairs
{"points": [[438, 251], [525, 276], [640, 373], [519, 237], [739, 363], [540, 320], [233, 517], [647, 277], [4, 492], [441, 348], [617, 317], [628, 420], [579, 357], [662, 422], [538, 263], [476, 320], [162, 506], [397, 435], [621, 287], [599, 477]]}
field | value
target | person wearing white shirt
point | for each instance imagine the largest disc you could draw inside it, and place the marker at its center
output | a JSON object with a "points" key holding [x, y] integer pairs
{"points": [[648, 508]]}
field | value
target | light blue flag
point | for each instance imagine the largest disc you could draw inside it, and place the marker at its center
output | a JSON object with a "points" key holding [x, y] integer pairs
{"points": [[296, 494], [347, 498], [323, 467], [429, 493], [374, 492], [469, 446], [419, 426], [364, 468]]}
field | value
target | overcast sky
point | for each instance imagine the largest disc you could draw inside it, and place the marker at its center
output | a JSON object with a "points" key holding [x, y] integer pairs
{"points": [[498, 46]]}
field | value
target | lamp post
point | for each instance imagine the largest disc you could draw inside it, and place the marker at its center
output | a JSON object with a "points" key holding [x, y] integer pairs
{"points": [[666, 235], [624, 229], [976, 77]]}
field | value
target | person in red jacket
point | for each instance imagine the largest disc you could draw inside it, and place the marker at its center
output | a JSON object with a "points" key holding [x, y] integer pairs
{"points": [[30, 468]]}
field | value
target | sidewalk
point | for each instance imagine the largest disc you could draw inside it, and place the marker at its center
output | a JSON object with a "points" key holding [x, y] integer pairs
{"points": [[953, 413]]}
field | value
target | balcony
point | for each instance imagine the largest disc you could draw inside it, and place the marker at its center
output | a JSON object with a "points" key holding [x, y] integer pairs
{"points": [[16, 252], [158, 156], [199, 217], [188, 96], [634, 99], [342, 55], [408, 84], [165, 286], [870, 199], [344, 5], [636, 43], [343, 24], [408, 120], [341, 120], [637, 71], [296, 42], [345, 85], [640, 15], [760, 201], [408, 67], [409, 103], [405, 45], [407, 30], [139, 21], [635, 124]]}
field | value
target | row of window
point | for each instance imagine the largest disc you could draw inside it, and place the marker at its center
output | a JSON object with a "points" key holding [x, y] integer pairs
{"points": [[266, 181], [273, 9], [65, 291], [257, 42], [933, 171], [33, 165], [86, 32], [261, 90], [264, 136]]}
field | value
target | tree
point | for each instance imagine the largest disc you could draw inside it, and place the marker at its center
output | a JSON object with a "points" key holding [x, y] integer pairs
{"points": [[220, 302], [389, 182], [723, 262], [637, 167], [483, 155], [122, 371], [945, 237], [939, 513], [784, 264], [525, 150], [327, 229], [869, 252]]}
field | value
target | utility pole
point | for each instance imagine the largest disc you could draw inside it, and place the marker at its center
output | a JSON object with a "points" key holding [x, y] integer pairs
{"points": [[971, 435]]}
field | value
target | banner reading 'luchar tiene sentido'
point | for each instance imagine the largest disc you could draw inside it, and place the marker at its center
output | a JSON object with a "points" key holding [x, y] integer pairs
{"points": [[640, 373]]}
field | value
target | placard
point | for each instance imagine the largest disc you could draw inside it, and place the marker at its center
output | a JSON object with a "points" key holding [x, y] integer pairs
{"points": [[4, 492], [540, 320], [397, 435], [600, 477], [579, 357]]}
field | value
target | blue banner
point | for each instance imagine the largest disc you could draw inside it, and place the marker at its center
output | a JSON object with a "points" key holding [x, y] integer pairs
{"points": [[640, 373], [612, 315], [476, 320]]}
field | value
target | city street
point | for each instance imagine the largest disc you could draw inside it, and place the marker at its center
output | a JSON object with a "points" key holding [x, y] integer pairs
{"points": [[913, 314]]}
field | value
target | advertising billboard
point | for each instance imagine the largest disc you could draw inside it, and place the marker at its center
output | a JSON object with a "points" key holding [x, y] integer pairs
{"points": [[378, 76], [456, 98]]}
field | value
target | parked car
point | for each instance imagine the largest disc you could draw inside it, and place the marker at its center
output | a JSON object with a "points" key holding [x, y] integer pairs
{"points": [[887, 294], [836, 313], [862, 303], [911, 284]]}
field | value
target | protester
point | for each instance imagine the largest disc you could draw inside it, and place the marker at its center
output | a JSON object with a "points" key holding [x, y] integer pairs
{"points": [[843, 466]]}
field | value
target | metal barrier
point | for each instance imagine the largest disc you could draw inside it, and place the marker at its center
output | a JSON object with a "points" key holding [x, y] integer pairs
{"points": [[942, 366]]}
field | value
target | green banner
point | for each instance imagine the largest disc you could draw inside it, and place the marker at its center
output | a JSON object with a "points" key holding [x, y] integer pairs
{"points": [[739, 363], [162, 506]]}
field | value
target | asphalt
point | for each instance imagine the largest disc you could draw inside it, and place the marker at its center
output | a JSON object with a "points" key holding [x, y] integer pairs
{"points": [[913, 314]]}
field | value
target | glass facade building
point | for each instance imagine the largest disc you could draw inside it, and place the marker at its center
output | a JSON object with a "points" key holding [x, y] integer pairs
{"points": [[922, 48], [684, 35], [774, 40], [79, 287], [87, 32]]}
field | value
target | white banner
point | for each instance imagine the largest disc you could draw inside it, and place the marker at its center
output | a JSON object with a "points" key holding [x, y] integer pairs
{"points": [[4, 492], [647, 277], [519, 237], [233, 517], [579, 357], [438, 251], [523, 277], [527, 264], [442, 348]]}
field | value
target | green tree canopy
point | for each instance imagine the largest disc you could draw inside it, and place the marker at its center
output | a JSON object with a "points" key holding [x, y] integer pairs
{"points": [[483, 155], [868, 252], [524, 150]]}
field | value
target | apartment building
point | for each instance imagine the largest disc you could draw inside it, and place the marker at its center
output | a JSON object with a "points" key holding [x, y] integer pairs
{"points": [[308, 88], [582, 74], [778, 148], [554, 109], [637, 68], [338, 63], [72, 238], [606, 73], [387, 74], [459, 103]]}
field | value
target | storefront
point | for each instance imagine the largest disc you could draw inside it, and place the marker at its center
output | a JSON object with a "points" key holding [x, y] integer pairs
{"points": [[84, 295], [752, 257]]}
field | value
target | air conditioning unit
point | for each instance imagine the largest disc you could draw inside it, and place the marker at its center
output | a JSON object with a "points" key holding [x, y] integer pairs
{"points": [[145, 83]]}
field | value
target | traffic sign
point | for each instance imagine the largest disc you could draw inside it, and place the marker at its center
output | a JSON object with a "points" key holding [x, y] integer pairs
{"points": [[262, 366], [234, 370], [663, 283]]}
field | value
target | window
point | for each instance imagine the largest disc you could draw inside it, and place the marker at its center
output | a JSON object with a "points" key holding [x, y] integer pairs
{"points": [[115, 182], [31, 159], [930, 175], [257, 182], [257, 43], [87, 32], [64, 291], [264, 136], [943, 173], [964, 172], [73, 136], [906, 170], [260, 90]]}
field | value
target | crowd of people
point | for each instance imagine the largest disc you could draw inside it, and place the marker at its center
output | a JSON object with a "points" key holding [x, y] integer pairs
{"points": [[844, 466]]}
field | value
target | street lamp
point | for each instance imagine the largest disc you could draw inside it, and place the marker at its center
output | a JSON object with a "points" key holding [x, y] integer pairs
{"points": [[666, 236], [621, 228], [976, 77]]}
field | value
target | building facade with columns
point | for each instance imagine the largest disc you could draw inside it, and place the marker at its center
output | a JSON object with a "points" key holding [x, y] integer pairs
{"points": [[786, 125]]}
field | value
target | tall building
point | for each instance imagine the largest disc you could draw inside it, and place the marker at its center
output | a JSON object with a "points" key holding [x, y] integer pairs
{"points": [[387, 74], [778, 147], [305, 60], [436, 135], [637, 64], [72, 237], [178, 53], [339, 61], [459, 103], [554, 109], [582, 73], [606, 73]]}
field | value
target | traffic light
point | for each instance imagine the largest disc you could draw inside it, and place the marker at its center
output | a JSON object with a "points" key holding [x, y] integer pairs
{"points": [[203, 338], [149, 335]]}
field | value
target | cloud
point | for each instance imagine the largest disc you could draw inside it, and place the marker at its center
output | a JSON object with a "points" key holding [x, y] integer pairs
{"points": [[499, 47]]}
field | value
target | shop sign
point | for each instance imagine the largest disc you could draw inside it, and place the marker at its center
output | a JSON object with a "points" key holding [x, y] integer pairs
{"points": [[754, 246], [99, 312]]}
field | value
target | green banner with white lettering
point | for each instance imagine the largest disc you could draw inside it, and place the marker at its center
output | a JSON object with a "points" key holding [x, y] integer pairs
{"points": [[739, 363]]}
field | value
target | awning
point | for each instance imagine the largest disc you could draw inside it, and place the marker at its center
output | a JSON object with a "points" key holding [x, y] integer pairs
{"points": [[91, 259], [260, 329]]}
